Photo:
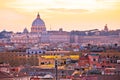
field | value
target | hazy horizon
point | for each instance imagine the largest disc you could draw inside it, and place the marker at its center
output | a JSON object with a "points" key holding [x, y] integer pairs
{"points": [[70, 15]]}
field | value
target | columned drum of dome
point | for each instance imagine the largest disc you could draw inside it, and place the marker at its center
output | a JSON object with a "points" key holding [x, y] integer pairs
{"points": [[38, 25]]}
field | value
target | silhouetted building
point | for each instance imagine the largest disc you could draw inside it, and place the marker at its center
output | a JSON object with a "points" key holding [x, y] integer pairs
{"points": [[106, 28]]}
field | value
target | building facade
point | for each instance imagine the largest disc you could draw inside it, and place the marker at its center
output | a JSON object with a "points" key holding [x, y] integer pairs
{"points": [[59, 36], [25, 38], [39, 34]]}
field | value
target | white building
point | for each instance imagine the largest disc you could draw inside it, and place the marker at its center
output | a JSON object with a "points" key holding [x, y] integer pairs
{"points": [[25, 38], [35, 50]]}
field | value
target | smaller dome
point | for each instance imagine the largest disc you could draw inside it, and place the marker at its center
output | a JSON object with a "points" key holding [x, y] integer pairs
{"points": [[25, 30]]}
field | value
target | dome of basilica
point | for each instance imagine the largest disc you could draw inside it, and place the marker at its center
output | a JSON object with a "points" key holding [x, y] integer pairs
{"points": [[38, 25], [38, 22]]}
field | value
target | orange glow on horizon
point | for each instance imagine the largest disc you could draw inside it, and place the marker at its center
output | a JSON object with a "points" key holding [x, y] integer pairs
{"points": [[67, 14]]}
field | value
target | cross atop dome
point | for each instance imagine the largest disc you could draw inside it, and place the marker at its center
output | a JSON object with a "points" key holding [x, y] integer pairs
{"points": [[38, 16]]}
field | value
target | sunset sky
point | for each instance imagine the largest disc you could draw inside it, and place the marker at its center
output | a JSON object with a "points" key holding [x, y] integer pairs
{"points": [[15, 15]]}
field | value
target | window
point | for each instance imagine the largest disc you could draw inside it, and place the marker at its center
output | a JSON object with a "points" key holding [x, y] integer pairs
{"points": [[94, 59], [39, 51], [42, 63]]}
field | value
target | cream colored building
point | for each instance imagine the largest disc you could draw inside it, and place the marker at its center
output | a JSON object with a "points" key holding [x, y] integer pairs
{"points": [[99, 40], [59, 36], [25, 38]]}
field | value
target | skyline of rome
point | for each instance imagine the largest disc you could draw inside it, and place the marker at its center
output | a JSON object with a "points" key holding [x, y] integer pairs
{"points": [[68, 14]]}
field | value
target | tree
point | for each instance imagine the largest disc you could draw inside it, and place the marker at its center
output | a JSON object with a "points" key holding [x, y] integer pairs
{"points": [[33, 60]]}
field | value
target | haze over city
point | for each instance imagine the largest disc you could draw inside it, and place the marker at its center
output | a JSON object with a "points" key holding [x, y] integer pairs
{"points": [[15, 15]]}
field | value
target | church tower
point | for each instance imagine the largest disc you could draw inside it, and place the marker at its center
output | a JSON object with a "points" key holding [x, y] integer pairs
{"points": [[106, 28]]}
